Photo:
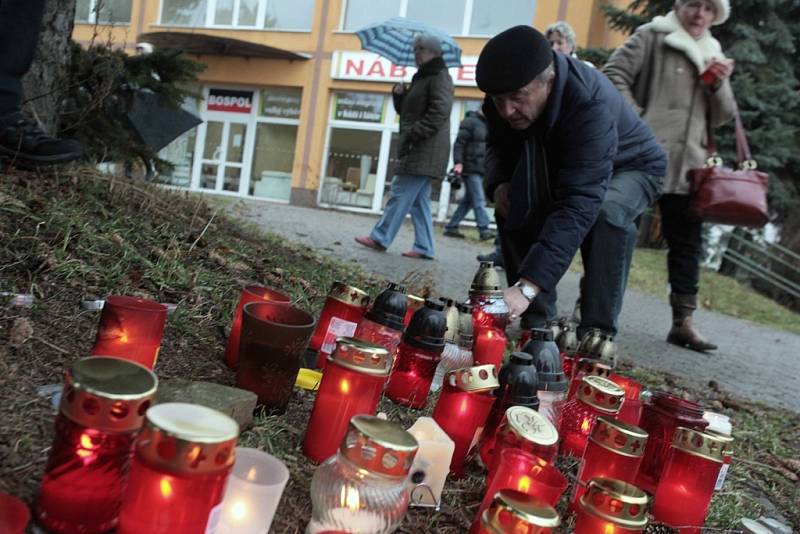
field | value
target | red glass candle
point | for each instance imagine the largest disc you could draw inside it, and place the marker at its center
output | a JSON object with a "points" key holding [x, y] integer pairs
{"points": [[249, 294], [631, 411], [526, 430], [687, 482], [490, 346], [463, 407], [182, 459], [14, 514], [513, 512], [611, 507], [661, 416], [130, 328], [343, 310], [413, 303], [596, 396], [101, 411], [351, 385], [587, 367], [383, 323], [614, 450]]}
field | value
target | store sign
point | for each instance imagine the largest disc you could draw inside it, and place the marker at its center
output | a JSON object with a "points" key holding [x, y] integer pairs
{"points": [[281, 102], [229, 100], [369, 67], [359, 107]]}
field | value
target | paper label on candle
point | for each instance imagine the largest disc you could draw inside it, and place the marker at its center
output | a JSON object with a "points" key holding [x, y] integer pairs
{"points": [[213, 519], [723, 472], [337, 328]]}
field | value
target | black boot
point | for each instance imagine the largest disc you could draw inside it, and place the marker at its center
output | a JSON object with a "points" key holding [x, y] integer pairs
{"points": [[683, 332], [23, 143]]}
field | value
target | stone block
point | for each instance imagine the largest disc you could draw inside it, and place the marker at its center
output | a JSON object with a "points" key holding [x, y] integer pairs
{"points": [[237, 403]]}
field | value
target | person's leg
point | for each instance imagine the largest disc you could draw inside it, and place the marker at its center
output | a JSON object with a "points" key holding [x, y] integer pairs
{"points": [[422, 219], [20, 24], [608, 248], [461, 210], [401, 196], [474, 184]]}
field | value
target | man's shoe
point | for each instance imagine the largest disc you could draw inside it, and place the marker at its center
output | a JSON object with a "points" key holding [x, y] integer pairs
{"points": [[24, 143], [487, 235], [416, 255], [493, 257], [370, 243], [453, 233]]}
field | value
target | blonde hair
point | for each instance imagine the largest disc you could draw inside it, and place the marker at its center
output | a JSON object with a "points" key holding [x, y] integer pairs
{"points": [[565, 30]]}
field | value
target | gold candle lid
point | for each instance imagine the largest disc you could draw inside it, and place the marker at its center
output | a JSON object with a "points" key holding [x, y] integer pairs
{"points": [[710, 446], [473, 379], [465, 327], [361, 356], [379, 446], [601, 393], [107, 393], [187, 439], [349, 295], [486, 281], [513, 511], [616, 501], [619, 437], [451, 316], [594, 367], [529, 425]]}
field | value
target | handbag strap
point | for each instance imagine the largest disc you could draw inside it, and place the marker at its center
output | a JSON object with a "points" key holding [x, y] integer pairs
{"points": [[744, 158]]}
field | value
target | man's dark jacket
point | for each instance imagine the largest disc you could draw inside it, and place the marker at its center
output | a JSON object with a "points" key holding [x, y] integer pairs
{"points": [[559, 168], [424, 111], [470, 147]]}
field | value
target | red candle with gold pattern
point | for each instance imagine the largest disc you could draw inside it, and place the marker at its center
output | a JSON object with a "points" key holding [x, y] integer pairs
{"points": [[527, 430], [344, 308], [183, 457], [489, 347], [101, 411], [130, 328], [249, 294], [631, 411], [463, 407], [687, 482], [611, 507], [614, 450], [351, 385], [513, 512], [596, 396], [587, 367]]}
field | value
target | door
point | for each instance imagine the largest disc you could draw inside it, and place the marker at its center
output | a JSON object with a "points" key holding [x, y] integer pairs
{"points": [[222, 164]]}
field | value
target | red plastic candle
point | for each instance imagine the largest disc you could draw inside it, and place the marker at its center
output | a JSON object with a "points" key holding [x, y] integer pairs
{"points": [[486, 298], [413, 303], [513, 512], [249, 294], [351, 385], [596, 396], [587, 367], [101, 412], [490, 346], [343, 310], [182, 459], [526, 430], [463, 407], [614, 450], [611, 507], [662, 415], [14, 514], [130, 328], [687, 482], [631, 411], [383, 323]]}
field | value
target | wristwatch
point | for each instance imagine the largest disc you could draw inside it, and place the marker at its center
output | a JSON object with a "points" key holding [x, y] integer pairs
{"points": [[529, 292]]}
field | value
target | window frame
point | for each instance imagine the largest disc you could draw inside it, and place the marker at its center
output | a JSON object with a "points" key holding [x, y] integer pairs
{"points": [[92, 18], [210, 12]]}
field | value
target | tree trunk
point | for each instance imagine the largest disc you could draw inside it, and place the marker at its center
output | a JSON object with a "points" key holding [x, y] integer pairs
{"points": [[47, 81]]}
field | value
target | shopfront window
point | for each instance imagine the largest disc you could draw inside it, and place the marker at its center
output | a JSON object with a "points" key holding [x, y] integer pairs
{"points": [[180, 153], [352, 167], [259, 14], [103, 11]]}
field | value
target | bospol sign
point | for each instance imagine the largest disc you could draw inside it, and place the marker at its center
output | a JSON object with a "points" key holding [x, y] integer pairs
{"points": [[229, 100]]}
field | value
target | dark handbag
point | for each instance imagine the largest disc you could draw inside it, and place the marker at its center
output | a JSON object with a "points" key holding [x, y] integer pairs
{"points": [[729, 196]]}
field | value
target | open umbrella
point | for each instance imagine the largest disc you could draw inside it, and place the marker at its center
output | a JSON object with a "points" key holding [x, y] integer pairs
{"points": [[394, 40]]}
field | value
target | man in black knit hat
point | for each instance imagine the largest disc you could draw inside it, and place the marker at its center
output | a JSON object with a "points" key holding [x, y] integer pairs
{"points": [[570, 166]]}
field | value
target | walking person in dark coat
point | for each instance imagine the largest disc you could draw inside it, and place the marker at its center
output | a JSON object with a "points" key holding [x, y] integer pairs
{"points": [[424, 109], [469, 153], [570, 166]]}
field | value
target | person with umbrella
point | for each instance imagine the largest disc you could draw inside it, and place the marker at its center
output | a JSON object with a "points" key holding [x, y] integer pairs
{"points": [[423, 152]]}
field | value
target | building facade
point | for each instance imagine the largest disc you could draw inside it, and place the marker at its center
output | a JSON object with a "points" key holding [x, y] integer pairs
{"points": [[293, 110]]}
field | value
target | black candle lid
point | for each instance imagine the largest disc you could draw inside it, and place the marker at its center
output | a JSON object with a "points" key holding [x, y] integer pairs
{"points": [[541, 334], [427, 327], [389, 307]]}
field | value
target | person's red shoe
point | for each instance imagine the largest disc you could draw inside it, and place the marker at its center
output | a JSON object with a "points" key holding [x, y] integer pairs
{"points": [[416, 255], [370, 243]]}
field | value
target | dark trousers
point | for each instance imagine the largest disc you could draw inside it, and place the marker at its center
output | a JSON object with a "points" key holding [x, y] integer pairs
{"points": [[685, 241], [20, 23]]}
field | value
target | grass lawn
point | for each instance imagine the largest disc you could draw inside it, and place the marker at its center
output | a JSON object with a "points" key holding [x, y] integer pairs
{"points": [[80, 235]]}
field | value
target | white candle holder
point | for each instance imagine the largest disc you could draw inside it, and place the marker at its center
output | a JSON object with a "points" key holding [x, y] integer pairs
{"points": [[427, 475]]}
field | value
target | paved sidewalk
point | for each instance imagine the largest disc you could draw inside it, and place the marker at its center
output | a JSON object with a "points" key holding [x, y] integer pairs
{"points": [[753, 361]]}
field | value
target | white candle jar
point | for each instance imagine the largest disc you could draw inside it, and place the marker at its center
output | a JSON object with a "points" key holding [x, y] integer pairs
{"points": [[361, 489]]}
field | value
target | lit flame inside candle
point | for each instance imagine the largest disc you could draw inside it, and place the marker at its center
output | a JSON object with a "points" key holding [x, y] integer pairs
{"points": [[166, 488], [239, 511], [123, 336], [464, 405], [490, 334], [251, 474], [524, 484], [609, 529], [349, 498], [585, 426], [87, 446], [344, 385]]}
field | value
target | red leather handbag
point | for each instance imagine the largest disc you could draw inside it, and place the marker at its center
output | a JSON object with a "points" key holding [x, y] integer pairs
{"points": [[729, 196]]}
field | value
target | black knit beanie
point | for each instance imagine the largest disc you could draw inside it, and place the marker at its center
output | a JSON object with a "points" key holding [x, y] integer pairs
{"points": [[511, 59]]}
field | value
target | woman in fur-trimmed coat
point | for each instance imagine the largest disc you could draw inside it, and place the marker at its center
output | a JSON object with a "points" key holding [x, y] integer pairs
{"points": [[659, 70]]}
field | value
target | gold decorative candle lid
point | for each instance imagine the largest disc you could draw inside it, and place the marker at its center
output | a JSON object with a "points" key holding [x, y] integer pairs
{"points": [[594, 367], [473, 379], [615, 501], [465, 327], [526, 513], [619, 437], [706, 445], [361, 356], [349, 295], [107, 393], [187, 439], [529, 425], [601, 393], [486, 281], [379, 446]]}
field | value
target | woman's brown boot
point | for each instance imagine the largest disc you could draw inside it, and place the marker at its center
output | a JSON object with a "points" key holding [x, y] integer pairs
{"points": [[683, 332]]}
